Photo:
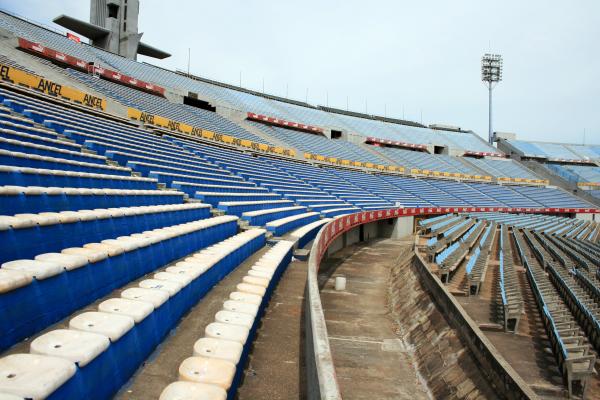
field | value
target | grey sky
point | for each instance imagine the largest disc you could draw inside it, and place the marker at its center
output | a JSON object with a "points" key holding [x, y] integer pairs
{"points": [[394, 55]]}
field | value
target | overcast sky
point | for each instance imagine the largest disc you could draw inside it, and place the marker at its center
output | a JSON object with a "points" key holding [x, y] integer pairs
{"points": [[400, 58]]}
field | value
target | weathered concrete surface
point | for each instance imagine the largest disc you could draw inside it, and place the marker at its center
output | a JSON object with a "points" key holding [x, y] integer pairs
{"points": [[162, 367], [442, 359], [276, 367], [370, 360]]}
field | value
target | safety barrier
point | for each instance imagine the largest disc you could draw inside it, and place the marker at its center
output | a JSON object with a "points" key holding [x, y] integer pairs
{"points": [[283, 123]]}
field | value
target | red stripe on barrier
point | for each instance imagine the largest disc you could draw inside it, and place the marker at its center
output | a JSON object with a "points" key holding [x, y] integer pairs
{"points": [[79, 64], [282, 122]]}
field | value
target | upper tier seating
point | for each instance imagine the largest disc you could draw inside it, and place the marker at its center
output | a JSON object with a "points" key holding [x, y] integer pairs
{"points": [[420, 160], [159, 106], [237, 99], [576, 173], [502, 168], [557, 150], [317, 144]]}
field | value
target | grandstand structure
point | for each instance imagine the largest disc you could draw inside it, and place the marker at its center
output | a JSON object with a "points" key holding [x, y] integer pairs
{"points": [[148, 217]]}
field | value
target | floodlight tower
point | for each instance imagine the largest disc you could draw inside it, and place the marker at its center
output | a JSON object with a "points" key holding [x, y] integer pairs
{"points": [[491, 74]]}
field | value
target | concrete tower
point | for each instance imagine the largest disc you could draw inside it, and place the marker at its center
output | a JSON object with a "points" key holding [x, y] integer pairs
{"points": [[113, 26]]}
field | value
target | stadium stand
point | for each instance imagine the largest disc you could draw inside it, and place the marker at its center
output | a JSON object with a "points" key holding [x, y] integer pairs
{"points": [[120, 228]]}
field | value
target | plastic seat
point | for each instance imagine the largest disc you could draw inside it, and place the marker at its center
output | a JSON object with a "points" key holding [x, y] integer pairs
{"points": [[245, 298], [192, 391], [207, 370], [77, 346], [227, 350], [257, 281], [138, 310], [252, 289], [235, 318], [34, 376], [224, 331], [111, 325]]}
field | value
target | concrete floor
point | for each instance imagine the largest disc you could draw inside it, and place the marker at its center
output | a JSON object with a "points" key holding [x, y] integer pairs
{"points": [[276, 367], [371, 362], [161, 368]]}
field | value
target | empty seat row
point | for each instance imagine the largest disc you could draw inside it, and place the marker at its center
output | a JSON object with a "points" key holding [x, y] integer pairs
{"points": [[261, 217], [283, 225], [49, 151], [25, 176], [572, 354], [27, 199], [240, 207], [34, 138], [39, 291], [25, 235], [214, 198], [305, 234], [510, 291], [102, 349], [218, 359], [477, 266], [334, 212], [19, 159]]}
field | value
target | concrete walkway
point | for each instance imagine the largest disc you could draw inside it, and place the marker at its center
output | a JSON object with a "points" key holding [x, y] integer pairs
{"points": [[162, 367], [276, 368], [371, 362]]}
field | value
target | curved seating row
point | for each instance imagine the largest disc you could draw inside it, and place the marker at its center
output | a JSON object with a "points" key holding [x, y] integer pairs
{"points": [[214, 198], [25, 176], [50, 151], [218, 190], [217, 364], [27, 199], [39, 291], [20, 159], [334, 212], [240, 207], [26, 235], [304, 235], [170, 177], [102, 349], [33, 137], [261, 217], [283, 225]]}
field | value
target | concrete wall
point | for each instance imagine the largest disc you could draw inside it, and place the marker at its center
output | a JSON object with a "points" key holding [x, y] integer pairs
{"points": [[587, 217]]}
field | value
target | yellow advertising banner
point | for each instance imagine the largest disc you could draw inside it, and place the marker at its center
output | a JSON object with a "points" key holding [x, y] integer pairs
{"points": [[175, 126], [19, 77]]}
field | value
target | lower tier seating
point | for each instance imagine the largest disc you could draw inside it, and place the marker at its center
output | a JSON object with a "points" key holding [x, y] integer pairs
{"points": [[240, 207], [25, 176], [218, 359], [33, 199], [102, 349], [39, 291], [281, 226], [261, 217], [26, 235]]}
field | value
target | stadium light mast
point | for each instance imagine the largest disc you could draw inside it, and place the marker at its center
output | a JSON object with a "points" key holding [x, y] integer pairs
{"points": [[491, 74]]}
